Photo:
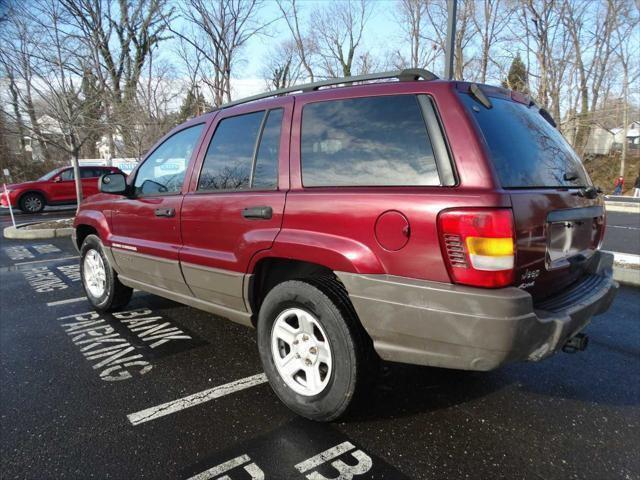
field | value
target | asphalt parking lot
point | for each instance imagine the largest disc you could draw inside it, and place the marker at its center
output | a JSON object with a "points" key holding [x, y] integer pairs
{"points": [[166, 391]]}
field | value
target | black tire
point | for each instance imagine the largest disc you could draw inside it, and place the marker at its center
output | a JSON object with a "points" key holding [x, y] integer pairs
{"points": [[32, 202], [355, 364], [116, 295]]}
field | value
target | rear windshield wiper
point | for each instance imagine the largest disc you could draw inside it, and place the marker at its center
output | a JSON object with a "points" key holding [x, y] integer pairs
{"points": [[588, 192]]}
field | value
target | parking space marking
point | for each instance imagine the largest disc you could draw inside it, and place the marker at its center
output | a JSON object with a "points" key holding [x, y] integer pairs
{"points": [[45, 248], [48, 260], [222, 468], [324, 457], [174, 406], [64, 302], [18, 252]]}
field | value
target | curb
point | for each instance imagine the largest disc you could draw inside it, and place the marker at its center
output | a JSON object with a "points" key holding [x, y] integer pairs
{"points": [[626, 268], [626, 207], [19, 233]]}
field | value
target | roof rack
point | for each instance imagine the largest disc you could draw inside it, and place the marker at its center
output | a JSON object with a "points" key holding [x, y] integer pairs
{"points": [[407, 75]]}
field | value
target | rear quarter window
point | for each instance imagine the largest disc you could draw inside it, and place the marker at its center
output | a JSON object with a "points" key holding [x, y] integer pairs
{"points": [[372, 141]]}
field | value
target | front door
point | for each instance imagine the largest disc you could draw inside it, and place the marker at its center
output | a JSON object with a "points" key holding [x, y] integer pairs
{"points": [[64, 188], [236, 200], [146, 226]]}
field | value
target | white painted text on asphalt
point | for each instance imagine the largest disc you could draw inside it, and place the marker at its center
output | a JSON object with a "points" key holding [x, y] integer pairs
{"points": [[110, 353], [42, 280]]}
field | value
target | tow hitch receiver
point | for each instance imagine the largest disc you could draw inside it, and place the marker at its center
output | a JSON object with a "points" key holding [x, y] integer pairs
{"points": [[577, 343]]}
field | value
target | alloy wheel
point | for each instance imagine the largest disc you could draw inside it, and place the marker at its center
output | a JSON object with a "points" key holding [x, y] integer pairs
{"points": [[94, 273], [301, 351]]}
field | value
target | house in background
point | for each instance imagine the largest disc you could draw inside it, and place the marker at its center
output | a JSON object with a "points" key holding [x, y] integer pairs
{"points": [[633, 137], [599, 142], [604, 141], [104, 149]]}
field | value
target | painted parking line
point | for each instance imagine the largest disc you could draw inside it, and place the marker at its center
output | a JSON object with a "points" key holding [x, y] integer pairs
{"points": [[64, 302], [47, 260], [222, 468], [324, 457], [196, 399]]}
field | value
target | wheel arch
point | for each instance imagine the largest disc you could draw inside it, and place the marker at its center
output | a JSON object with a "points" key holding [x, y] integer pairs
{"points": [[271, 271], [301, 254], [90, 222], [32, 190]]}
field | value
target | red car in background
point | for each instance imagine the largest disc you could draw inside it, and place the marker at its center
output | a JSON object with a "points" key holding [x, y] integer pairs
{"points": [[55, 188]]}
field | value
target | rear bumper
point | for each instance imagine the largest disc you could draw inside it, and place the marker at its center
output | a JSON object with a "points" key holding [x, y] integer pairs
{"points": [[452, 326]]}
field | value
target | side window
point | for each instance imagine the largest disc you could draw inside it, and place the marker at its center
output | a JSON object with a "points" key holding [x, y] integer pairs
{"points": [[372, 141], [67, 174], [228, 162], [265, 175], [89, 172], [163, 171]]}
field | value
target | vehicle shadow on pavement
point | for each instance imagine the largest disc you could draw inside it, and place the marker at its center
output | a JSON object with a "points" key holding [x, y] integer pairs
{"points": [[405, 390]]}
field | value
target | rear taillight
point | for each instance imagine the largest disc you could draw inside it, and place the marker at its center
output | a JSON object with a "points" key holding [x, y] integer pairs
{"points": [[478, 246]]}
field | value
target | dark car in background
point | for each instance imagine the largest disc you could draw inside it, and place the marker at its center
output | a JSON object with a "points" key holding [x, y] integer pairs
{"points": [[55, 188]]}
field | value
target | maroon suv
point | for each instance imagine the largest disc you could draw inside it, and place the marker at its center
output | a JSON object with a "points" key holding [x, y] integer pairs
{"points": [[421, 221]]}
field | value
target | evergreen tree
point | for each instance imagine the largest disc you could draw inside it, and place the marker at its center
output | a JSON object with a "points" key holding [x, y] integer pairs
{"points": [[194, 104], [518, 77]]}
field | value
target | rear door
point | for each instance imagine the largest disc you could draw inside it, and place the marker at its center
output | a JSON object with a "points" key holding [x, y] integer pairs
{"points": [[89, 176], [146, 226], [558, 227], [236, 200]]}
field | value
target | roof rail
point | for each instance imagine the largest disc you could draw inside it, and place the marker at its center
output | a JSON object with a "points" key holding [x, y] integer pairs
{"points": [[407, 75]]}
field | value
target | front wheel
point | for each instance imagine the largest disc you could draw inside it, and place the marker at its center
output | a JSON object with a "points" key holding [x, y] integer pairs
{"points": [[315, 353], [100, 281]]}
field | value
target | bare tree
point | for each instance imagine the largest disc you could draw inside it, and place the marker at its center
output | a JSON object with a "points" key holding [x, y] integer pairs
{"points": [[412, 18], [18, 59], [118, 38], [437, 16], [57, 72], [219, 31], [304, 44], [591, 70], [491, 19], [548, 41], [627, 52], [283, 68], [340, 28]]}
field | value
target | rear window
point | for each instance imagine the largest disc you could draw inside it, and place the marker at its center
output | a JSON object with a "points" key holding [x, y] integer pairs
{"points": [[525, 149], [373, 141]]}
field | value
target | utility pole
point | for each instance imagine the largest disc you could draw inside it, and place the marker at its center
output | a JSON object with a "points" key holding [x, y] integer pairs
{"points": [[452, 6]]}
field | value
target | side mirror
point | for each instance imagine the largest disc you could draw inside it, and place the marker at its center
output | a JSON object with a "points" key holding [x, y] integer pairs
{"points": [[114, 183]]}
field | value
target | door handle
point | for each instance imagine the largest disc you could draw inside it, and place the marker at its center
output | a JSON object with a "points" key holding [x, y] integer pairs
{"points": [[165, 212], [257, 212]]}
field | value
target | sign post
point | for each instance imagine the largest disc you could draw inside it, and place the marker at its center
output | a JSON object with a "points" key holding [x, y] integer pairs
{"points": [[451, 38]]}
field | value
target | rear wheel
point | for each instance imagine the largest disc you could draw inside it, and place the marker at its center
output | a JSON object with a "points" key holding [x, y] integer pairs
{"points": [[32, 203], [100, 281], [315, 353]]}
